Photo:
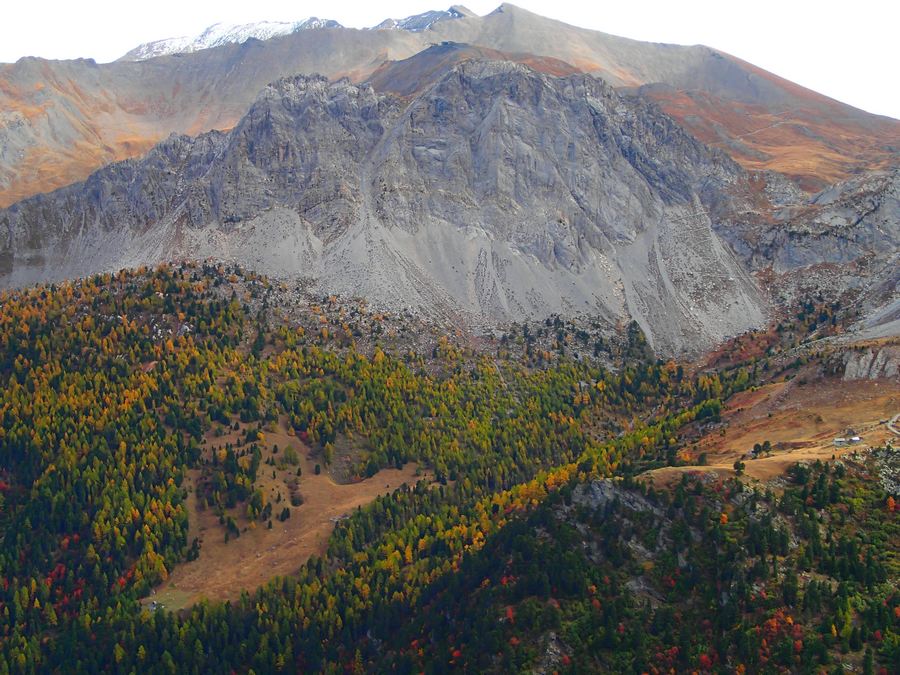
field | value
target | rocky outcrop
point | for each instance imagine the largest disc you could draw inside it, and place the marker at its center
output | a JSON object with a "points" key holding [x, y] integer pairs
{"points": [[843, 244], [855, 218], [498, 193], [599, 494], [873, 363], [845, 222]]}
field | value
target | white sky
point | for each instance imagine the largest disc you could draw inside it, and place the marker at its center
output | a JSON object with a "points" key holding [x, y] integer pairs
{"points": [[844, 49]]}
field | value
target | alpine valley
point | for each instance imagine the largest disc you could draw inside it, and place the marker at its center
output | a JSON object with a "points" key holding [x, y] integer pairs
{"points": [[457, 343]]}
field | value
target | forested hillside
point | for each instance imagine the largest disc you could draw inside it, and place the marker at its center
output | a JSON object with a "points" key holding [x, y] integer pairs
{"points": [[507, 559], [709, 576]]}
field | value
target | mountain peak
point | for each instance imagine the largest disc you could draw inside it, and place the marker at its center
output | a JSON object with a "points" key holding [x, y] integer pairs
{"points": [[506, 8], [462, 9], [420, 22]]}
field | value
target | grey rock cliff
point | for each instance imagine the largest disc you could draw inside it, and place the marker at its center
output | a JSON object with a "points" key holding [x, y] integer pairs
{"points": [[841, 242], [873, 363], [498, 193], [840, 224]]}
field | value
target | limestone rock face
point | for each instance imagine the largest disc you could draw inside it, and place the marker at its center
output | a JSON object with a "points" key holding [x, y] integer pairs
{"points": [[498, 193], [840, 224], [873, 364], [599, 494], [845, 240]]}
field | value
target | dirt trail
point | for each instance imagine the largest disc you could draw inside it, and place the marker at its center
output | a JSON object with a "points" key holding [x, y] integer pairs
{"points": [[892, 425]]}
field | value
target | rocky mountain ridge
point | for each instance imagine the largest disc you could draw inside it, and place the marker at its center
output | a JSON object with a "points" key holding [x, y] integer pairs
{"points": [[470, 183], [62, 120], [497, 194]]}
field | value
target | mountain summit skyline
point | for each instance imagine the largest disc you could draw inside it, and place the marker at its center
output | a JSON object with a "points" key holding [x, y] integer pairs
{"points": [[64, 119], [796, 44], [219, 34]]}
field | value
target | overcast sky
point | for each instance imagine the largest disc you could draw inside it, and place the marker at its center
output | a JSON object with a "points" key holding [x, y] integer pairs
{"points": [[844, 49]]}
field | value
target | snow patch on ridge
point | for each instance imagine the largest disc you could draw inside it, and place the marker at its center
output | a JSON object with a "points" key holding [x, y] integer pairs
{"points": [[420, 22], [219, 34]]}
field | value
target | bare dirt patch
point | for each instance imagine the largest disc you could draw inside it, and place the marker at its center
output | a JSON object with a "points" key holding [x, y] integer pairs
{"points": [[800, 420], [223, 569]]}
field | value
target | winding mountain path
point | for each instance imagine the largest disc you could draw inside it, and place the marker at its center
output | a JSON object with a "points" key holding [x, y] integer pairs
{"points": [[892, 425]]}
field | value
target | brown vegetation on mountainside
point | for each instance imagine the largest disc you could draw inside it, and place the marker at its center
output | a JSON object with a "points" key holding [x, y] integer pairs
{"points": [[75, 127], [45, 170], [799, 418], [815, 147]]}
